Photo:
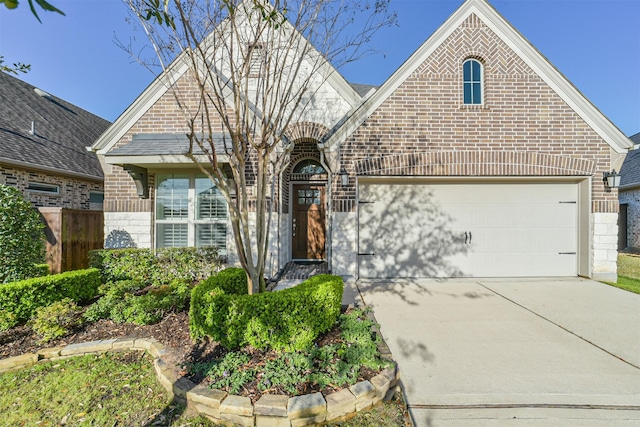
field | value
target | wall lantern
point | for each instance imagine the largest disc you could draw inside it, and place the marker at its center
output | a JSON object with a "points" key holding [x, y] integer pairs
{"points": [[344, 177], [612, 179]]}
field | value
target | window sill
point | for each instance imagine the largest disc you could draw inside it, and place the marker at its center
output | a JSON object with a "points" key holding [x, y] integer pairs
{"points": [[475, 107]]}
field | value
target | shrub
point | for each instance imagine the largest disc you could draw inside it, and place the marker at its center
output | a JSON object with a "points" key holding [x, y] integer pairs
{"points": [[290, 319], [21, 236], [112, 300], [19, 300], [41, 270], [165, 265], [121, 304], [232, 281], [55, 320]]}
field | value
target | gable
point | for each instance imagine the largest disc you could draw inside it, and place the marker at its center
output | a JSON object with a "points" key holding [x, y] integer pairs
{"points": [[325, 102], [476, 29]]}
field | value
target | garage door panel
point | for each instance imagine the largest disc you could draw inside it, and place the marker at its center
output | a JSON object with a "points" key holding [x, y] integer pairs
{"points": [[408, 234], [483, 230]]}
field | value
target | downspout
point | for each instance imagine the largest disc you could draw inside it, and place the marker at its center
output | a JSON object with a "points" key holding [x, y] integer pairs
{"points": [[329, 208]]}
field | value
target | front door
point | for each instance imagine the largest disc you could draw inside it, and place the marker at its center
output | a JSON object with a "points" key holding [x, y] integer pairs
{"points": [[308, 221]]}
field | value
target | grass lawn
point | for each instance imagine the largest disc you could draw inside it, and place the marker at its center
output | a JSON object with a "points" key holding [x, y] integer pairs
{"points": [[118, 389], [98, 390], [628, 273]]}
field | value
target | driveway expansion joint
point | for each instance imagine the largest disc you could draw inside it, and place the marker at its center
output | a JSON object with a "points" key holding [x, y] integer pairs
{"points": [[591, 343]]}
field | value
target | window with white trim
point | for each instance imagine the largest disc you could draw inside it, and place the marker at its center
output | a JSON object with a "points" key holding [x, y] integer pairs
{"points": [[472, 81], [190, 211]]}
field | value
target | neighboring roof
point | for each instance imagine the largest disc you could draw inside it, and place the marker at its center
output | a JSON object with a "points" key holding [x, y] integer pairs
{"points": [[519, 44], [630, 170], [62, 131]]}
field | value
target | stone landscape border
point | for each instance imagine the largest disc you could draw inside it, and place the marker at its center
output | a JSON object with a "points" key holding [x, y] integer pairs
{"points": [[219, 406]]}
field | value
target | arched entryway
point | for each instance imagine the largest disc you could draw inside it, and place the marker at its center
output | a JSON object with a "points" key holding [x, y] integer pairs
{"points": [[308, 180]]}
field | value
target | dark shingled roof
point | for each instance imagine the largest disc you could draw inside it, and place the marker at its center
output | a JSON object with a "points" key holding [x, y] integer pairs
{"points": [[630, 169], [164, 144], [62, 130]]}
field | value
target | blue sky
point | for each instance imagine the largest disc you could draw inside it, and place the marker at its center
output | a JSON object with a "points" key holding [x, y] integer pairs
{"points": [[594, 43]]}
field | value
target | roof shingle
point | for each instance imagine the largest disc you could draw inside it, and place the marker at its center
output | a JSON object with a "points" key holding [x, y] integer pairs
{"points": [[62, 130]]}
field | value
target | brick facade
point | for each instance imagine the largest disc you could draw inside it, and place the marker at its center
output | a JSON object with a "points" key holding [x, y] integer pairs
{"points": [[523, 128], [74, 193]]}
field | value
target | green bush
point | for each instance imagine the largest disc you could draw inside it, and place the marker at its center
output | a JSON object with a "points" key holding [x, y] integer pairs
{"points": [[290, 319], [21, 236], [232, 281], [121, 304], [112, 299], [41, 270], [19, 300], [165, 265], [55, 320]]}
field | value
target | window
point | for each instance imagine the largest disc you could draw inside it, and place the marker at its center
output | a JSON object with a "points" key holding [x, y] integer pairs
{"points": [[43, 188], [95, 197], [190, 211], [309, 167], [472, 81]]}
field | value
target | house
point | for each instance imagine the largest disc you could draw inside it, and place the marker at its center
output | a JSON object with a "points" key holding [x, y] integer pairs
{"points": [[43, 142], [629, 196], [476, 158]]}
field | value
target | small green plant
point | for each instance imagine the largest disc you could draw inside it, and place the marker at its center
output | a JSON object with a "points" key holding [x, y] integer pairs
{"points": [[21, 236], [55, 320], [121, 302], [287, 370], [231, 372]]}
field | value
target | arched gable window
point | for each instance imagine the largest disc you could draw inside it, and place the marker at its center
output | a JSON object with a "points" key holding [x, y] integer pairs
{"points": [[309, 167], [472, 81]]}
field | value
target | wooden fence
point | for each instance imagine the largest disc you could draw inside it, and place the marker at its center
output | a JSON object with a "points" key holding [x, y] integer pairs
{"points": [[71, 234]]}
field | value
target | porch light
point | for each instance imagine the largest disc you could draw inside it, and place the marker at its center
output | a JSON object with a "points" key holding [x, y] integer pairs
{"points": [[344, 177], [612, 179]]}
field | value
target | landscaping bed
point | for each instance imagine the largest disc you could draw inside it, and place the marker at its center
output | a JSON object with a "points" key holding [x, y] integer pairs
{"points": [[173, 331]]}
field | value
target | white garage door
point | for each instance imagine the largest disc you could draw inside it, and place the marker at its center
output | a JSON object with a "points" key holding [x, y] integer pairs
{"points": [[417, 229]]}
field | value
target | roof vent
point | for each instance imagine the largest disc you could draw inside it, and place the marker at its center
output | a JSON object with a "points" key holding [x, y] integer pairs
{"points": [[42, 93]]}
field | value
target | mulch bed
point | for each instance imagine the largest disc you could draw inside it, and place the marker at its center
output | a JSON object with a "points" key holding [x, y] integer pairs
{"points": [[172, 331]]}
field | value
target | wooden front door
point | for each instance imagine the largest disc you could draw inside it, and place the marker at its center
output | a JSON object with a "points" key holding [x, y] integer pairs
{"points": [[308, 221]]}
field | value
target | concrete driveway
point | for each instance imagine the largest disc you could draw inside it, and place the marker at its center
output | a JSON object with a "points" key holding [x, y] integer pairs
{"points": [[521, 352]]}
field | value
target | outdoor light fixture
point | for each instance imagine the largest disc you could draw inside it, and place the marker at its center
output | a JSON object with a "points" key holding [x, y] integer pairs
{"points": [[612, 179], [344, 177]]}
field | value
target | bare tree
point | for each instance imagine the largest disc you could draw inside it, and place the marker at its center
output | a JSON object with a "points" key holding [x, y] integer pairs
{"points": [[255, 67]]}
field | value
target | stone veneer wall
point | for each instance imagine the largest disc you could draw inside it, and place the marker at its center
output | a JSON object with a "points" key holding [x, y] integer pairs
{"points": [[74, 192]]}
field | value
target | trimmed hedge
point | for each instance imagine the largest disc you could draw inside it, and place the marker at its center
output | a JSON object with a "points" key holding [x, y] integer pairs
{"points": [[288, 320], [42, 270], [163, 266], [19, 300]]}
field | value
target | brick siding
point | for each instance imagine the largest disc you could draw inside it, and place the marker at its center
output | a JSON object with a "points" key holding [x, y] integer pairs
{"points": [[522, 129], [74, 192]]}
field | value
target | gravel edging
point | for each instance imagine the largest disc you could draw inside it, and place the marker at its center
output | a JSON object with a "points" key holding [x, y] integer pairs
{"points": [[218, 405]]}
